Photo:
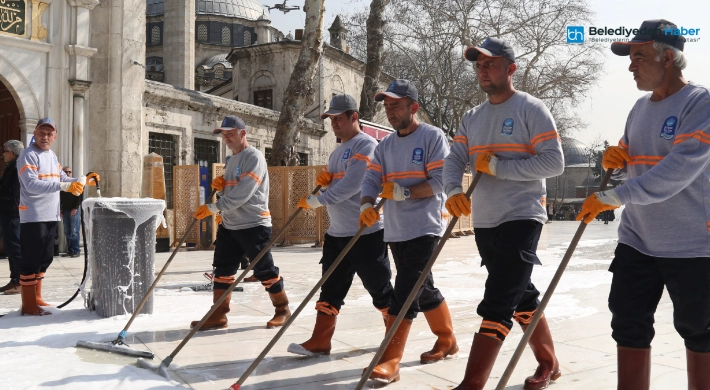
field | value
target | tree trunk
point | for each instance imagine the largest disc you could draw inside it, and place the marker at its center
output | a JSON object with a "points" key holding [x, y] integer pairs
{"points": [[299, 94], [375, 45]]}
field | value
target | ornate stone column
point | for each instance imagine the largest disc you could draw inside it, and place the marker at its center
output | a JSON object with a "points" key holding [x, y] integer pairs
{"points": [[79, 87]]}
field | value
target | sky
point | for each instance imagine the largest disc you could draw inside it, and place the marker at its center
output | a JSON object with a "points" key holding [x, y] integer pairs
{"points": [[609, 102]]}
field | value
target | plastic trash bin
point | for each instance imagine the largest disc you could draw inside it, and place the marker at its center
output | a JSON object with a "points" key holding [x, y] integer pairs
{"points": [[121, 249]]}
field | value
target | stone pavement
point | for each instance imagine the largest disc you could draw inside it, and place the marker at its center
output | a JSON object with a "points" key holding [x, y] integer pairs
{"points": [[578, 317]]}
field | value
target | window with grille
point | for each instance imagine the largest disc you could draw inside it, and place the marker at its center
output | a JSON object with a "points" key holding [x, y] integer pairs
{"points": [[202, 33], [226, 36], [164, 145], [219, 72], [208, 151], [155, 35], [263, 99], [247, 38]]}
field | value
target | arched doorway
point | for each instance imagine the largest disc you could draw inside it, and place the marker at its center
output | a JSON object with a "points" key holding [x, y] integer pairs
{"points": [[9, 120]]}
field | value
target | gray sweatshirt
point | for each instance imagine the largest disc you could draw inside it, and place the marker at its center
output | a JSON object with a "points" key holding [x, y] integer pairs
{"points": [[667, 194], [415, 158], [348, 164], [521, 133], [245, 200], [40, 175]]}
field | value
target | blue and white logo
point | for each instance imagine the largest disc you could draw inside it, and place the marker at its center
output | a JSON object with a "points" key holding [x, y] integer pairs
{"points": [[575, 35], [669, 126], [238, 171], [418, 156], [346, 155], [507, 127], [391, 87]]}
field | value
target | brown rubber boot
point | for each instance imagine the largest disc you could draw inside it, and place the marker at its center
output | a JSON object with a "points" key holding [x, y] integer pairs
{"points": [[698, 373], [29, 302], [387, 369], [319, 343], [440, 324], [484, 351], [543, 348], [40, 301], [218, 319], [633, 368], [250, 279], [281, 311]]}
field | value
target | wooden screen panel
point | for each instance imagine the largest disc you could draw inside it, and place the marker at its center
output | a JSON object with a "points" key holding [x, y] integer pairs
{"points": [[186, 200]]}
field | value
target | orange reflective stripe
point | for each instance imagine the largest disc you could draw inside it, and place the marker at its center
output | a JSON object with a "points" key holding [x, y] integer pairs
{"points": [[495, 326], [253, 176], [23, 208], [28, 280], [435, 164], [699, 135], [338, 175], [265, 214], [361, 157], [28, 166], [462, 139], [404, 175], [48, 175], [645, 160], [270, 282], [491, 335], [523, 148], [327, 308], [623, 145], [230, 183], [227, 279], [544, 137], [375, 167], [708, 225]]}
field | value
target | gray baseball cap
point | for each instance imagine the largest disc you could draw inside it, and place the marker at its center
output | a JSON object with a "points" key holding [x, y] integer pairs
{"points": [[339, 104], [650, 31], [229, 123], [398, 89], [491, 47]]}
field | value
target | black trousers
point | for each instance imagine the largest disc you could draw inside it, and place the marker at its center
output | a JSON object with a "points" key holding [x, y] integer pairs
{"points": [[37, 246], [232, 245], [410, 258], [509, 253], [636, 289], [368, 258]]}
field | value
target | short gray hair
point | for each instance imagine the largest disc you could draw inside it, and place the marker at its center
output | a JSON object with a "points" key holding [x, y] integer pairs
{"points": [[679, 59], [15, 146]]}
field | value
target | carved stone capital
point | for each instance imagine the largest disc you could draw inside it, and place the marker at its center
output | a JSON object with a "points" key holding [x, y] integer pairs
{"points": [[79, 87], [88, 4]]}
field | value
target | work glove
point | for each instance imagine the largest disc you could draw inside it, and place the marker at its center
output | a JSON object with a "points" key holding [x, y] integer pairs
{"points": [[598, 202], [309, 201], [206, 210], [368, 215], [75, 187], [218, 184], [324, 178], [615, 157], [392, 190], [92, 178], [218, 219], [457, 204], [486, 162]]}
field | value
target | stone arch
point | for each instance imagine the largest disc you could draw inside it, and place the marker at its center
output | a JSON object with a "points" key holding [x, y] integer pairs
{"points": [[336, 85], [21, 91], [258, 75]]}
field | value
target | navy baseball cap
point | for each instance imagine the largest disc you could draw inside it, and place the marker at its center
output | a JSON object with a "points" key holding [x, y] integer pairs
{"points": [[229, 123], [650, 31], [491, 47], [46, 122], [398, 89], [339, 104]]}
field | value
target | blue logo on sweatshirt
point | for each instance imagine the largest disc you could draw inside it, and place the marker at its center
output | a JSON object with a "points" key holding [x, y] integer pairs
{"points": [[418, 156], [346, 155], [669, 127], [507, 127], [238, 172]]}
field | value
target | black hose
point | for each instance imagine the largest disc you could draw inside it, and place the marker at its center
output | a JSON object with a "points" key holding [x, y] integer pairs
{"points": [[86, 263]]}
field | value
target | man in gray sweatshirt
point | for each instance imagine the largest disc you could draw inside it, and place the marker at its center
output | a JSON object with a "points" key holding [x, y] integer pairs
{"points": [[511, 138], [246, 224], [664, 233]]}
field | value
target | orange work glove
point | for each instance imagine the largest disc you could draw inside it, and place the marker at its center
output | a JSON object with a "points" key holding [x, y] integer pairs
{"points": [[486, 162], [75, 187], [92, 178], [206, 210], [218, 184], [392, 190], [457, 204], [324, 178], [598, 202], [368, 215], [615, 157], [309, 201], [218, 219]]}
